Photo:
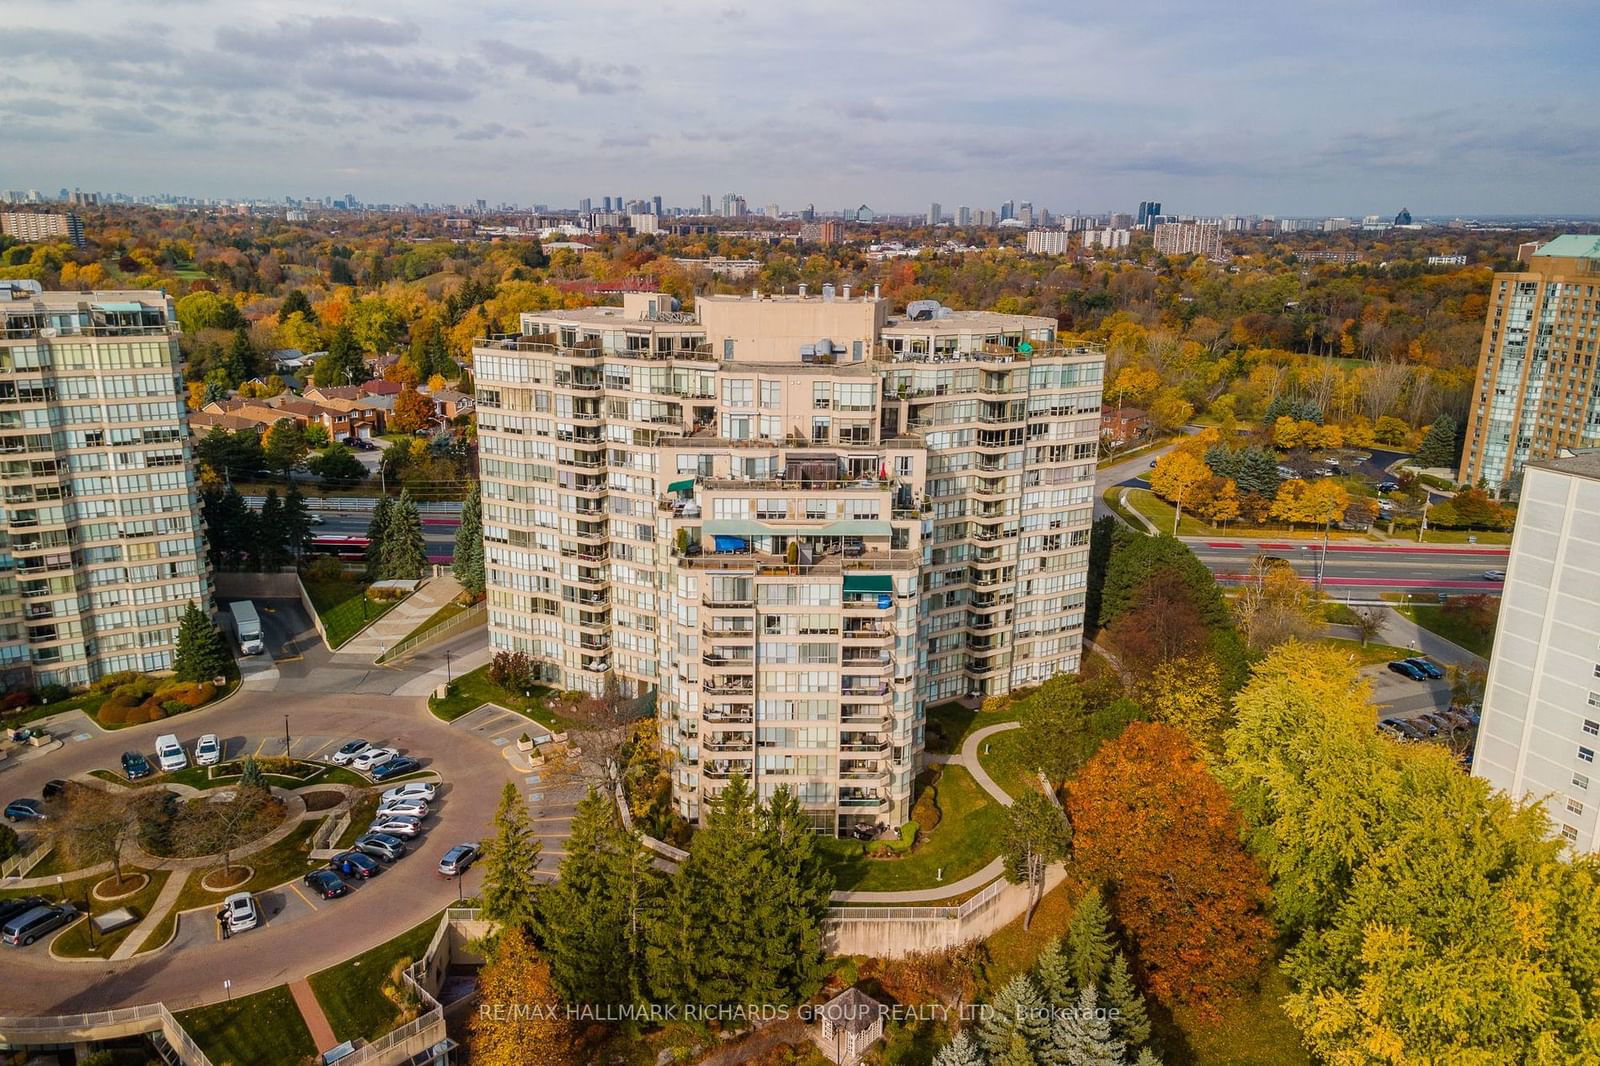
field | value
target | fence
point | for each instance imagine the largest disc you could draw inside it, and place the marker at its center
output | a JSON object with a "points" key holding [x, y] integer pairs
{"points": [[363, 504], [21, 865], [408, 647], [962, 910], [151, 1018]]}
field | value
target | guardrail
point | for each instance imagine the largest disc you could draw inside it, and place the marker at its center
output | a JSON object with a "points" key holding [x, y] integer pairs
{"points": [[408, 647], [105, 1025], [21, 865], [932, 914]]}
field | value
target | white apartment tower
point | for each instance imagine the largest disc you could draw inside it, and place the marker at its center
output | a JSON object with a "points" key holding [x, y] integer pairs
{"points": [[797, 519], [1541, 708], [100, 539]]}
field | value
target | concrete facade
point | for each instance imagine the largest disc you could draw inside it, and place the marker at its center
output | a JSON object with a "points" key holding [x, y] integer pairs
{"points": [[100, 539], [796, 520], [1541, 709]]}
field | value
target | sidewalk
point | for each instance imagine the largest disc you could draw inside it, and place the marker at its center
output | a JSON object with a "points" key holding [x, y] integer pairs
{"points": [[1402, 632], [311, 1011], [398, 623], [165, 901]]}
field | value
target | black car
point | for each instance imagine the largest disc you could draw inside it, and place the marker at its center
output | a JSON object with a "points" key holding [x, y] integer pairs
{"points": [[1405, 669], [1406, 728], [354, 864], [25, 810], [1388, 486], [10, 908], [54, 789], [135, 765], [402, 764], [1427, 666], [326, 884]]}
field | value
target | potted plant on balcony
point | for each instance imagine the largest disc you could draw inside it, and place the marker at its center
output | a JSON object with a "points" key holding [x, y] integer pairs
{"points": [[792, 553]]}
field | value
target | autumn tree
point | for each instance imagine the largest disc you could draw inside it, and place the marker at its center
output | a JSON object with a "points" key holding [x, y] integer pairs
{"points": [[412, 411], [1187, 693], [1176, 474], [520, 1021], [1274, 605], [94, 826], [1161, 833]]}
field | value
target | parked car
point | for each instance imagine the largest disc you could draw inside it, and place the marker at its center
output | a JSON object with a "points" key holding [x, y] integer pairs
{"points": [[372, 757], [25, 810], [1389, 727], [135, 765], [207, 750], [29, 926], [354, 864], [240, 913], [349, 751], [54, 789], [396, 825], [1456, 719], [396, 767], [170, 754], [415, 808], [10, 908], [1388, 486], [422, 790], [458, 858], [381, 846], [1493, 575], [1427, 666], [1409, 731], [1405, 669], [326, 884]]}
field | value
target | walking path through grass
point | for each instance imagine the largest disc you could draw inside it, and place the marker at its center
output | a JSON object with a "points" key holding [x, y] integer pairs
{"points": [[311, 1013], [396, 624]]}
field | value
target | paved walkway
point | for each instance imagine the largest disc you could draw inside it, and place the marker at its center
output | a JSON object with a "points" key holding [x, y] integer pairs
{"points": [[395, 626], [311, 1011], [1402, 632], [972, 882], [165, 901]]}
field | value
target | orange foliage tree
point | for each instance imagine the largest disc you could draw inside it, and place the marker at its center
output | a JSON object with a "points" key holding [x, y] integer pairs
{"points": [[1153, 824]]}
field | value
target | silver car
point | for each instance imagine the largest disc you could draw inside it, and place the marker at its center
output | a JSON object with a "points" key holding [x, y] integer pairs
{"points": [[412, 807], [411, 790], [401, 825]]}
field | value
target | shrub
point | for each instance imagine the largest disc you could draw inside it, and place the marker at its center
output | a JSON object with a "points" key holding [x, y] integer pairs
{"points": [[908, 838], [511, 670], [111, 681], [9, 844], [15, 701], [324, 568], [925, 812], [171, 707], [113, 713], [53, 693], [188, 693]]}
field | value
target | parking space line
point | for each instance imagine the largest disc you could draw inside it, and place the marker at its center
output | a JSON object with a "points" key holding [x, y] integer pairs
{"points": [[302, 895], [260, 745], [324, 746]]}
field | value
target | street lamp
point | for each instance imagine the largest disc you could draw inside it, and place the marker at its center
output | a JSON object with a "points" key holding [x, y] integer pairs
{"points": [[285, 736], [447, 667]]}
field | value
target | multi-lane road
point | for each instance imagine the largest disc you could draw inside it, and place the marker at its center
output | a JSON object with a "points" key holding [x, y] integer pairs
{"points": [[438, 531]]}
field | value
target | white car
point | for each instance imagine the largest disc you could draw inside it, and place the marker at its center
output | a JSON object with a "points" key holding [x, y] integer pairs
{"points": [[169, 753], [415, 808], [372, 757], [400, 825], [349, 751], [411, 790], [207, 750], [240, 913]]}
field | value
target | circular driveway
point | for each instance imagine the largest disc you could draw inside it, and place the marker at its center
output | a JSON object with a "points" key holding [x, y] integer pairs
{"points": [[326, 697]]}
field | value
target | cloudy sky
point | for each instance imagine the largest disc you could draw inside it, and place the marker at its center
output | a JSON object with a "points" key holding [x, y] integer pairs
{"points": [[1211, 106]]}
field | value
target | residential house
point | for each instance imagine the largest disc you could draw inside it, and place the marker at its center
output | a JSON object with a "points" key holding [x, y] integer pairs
{"points": [[448, 403], [1123, 425]]}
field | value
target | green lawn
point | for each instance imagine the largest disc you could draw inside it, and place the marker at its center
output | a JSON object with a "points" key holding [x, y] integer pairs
{"points": [[1005, 762], [1465, 536], [361, 815], [1372, 654], [1340, 614], [75, 941], [949, 725], [1159, 512], [966, 838], [265, 1028], [351, 993], [1452, 627], [1143, 449], [343, 607], [473, 689], [439, 617], [1112, 499], [1253, 1031]]}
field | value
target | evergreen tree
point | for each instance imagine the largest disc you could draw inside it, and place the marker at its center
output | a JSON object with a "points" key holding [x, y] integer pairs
{"points": [[344, 363], [250, 776], [1131, 1021], [1147, 1058], [1087, 944], [592, 918], [405, 553], [468, 565], [200, 654], [510, 861], [1016, 1053], [1053, 971], [240, 361], [296, 301], [230, 527], [1439, 446], [378, 534], [708, 945], [961, 1051], [296, 522], [1082, 1036], [272, 541], [1018, 1011], [1257, 471], [798, 886]]}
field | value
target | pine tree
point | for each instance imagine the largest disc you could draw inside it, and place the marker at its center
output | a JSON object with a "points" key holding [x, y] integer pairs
{"points": [[1130, 1020], [405, 553], [468, 565], [592, 918], [1017, 1011], [200, 654], [961, 1051], [510, 861], [1087, 943], [1439, 445], [250, 776], [240, 361], [1053, 971], [296, 522], [1147, 1058], [1081, 1036], [296, 301], [272, 547], [378, 534], [1016, 1053], [1258, 472], [798, 886], [707, 947]]}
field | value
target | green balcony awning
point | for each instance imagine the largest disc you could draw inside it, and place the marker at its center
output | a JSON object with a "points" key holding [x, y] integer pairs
{"points": [[734, 527], [119, 308], [686, 486], [868, 583]]}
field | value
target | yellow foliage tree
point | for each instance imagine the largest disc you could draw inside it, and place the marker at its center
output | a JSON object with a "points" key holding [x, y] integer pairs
{"points": [[1187, 693], [1222, 505], [1175, 475], [520, 1021], [1170, 410], [1286, 433], [1134, 386]]}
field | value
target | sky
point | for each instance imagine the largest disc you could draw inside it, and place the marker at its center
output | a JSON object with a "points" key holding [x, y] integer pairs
{"points": [[1209, 106]]}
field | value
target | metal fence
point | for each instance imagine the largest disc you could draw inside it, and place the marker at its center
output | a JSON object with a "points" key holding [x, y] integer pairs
{"points": [[942, 914], [472, 616], [105, 1025], [364, 504]]}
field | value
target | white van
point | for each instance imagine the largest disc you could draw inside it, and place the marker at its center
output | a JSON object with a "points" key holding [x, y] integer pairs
{"points": [[169, 753]]}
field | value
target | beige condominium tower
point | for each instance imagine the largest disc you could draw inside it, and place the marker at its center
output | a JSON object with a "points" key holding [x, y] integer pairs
{"points": [[797, 520], [100, 539], [1538, 388]]}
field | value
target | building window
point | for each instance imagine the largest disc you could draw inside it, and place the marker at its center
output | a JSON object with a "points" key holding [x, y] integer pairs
{"points": [[1580, 781], [1586, 754], [1594, 699], [1591, 727], [1575, 806], [1569, 834]]}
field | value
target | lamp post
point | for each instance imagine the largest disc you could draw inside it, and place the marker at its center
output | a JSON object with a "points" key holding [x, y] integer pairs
{"points": [[447, 667], [285, 736]]}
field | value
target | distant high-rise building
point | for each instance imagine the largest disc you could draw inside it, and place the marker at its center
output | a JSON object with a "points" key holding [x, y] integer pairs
{"points": [[1047, 242], [655, 205], [808, 213], [935, 213], [1008, 210], [824, 232], [39, 226], [605, 203], [1149, 211], [1110, 238], [1541, 701], [705, 203], [1538, 388], [1189, 238], [772, 211], [1403, 218], [1024, 213], [644, 222], [865, 214], [963, 216], [584, 205]]}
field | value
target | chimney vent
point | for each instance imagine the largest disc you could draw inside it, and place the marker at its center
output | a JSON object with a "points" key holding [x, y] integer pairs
{"points": [[802, 288], [827, 292], [847, 292]]}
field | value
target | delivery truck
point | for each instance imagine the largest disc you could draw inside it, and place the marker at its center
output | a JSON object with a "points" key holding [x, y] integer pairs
{"points": [[247, 627]]}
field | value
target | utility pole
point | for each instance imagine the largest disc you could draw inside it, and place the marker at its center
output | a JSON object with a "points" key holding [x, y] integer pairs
{"points": [[285, 736]]}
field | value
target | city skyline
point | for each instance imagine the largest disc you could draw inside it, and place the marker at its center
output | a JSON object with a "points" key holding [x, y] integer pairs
{"points": [[1259, 111]]}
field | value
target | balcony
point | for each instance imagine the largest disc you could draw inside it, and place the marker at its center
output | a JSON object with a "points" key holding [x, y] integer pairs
{"points": [[727, 686], [722, 769], [863, 770], [864, 659], [736, 633], [732, 662], [594, 643], [869, 634], [868, 605], [731, 716], [728, 742], [861, 799], [870, 690]]}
